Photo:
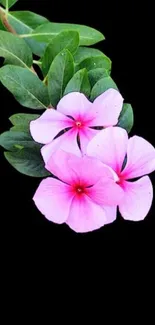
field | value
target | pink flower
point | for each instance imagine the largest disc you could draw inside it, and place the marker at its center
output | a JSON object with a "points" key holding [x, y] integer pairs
{"points": [[76, 114], [112, 146], [84, 196]]}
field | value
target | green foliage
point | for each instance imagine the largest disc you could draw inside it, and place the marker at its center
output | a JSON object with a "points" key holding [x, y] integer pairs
{"points": [[26, 87], [61, 71]]}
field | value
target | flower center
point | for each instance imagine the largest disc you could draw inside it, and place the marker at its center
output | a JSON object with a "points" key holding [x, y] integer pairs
{"points": [[120, 179], [78, 124], [79, 189]]}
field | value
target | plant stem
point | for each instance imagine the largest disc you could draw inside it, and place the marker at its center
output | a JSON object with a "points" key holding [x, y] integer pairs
{"points": [[37, 62], [45, 80], [3, 16], [7, 7], [33, 70]]}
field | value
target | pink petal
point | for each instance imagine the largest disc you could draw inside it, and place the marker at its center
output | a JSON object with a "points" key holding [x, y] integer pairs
{"points": [[107, 108], [74, 104], [86, 134], [140, 158], [48, 125], [111, 213], [66, 142], [89, 170], [85, 170], [106, 192], [58, 165], [110, 146], [53, 198], [85, 215], [137, 200]]}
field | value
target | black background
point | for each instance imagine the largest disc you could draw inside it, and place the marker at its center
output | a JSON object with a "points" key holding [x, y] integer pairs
{"points": [[127, 27]]}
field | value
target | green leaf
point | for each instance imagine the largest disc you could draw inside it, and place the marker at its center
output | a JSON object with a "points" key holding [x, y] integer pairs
{"points": [[65, 40], [8, 3], [9, 140], [97, 74], [95, 62], [61, 71], [19, 128], [28, 161], [22, 121], [83, 53], [24, 22], [15, 50], [44, 33], [126, 118], [24, 153], [26, 87], [80, 83], [101, 86], [2, 26]]}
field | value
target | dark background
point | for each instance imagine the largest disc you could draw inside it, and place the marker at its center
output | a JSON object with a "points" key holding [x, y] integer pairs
{"points": [[127, 27]]}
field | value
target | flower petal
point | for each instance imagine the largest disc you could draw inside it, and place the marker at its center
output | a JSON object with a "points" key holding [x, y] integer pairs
{"points": [[110, 146], [89, 170], [85, 170], [53, 198], [85, 215], [107, 108], [140, 158], [111, 213], [66, 142], [137, 200], [86, 134], [58, 165], [48, 125], [106, 192], [74, 104]]}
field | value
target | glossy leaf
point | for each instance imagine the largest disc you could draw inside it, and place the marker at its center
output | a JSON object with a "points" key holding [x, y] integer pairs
{"points": [[2, 26], [101, 86], [12, 140], [91, 63], [45, 33], [126, 118], [61, 71], [28, 161], [65, 40], [24, 153], [85, 52], [97, 74], [26, 87], [24, 22], [22, 121], [80, 83], [15, 50]]}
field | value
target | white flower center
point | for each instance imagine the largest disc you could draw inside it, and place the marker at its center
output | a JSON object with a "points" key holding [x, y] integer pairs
{"points": [[78, 124]]}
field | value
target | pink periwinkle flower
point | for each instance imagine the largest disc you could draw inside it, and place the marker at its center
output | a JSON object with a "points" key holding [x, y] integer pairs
{"points": [[77, 116], [112, 147], [84, 195]]}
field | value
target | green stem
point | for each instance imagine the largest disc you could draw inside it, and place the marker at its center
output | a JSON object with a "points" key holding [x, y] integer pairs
{"points": [[7, 7], [45, 80], [37, 62]]}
